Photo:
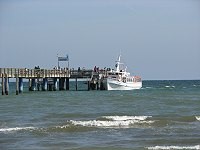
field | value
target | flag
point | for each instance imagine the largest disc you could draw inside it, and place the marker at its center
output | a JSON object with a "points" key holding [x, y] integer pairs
{"points": [[63, 58], [67, 57]]}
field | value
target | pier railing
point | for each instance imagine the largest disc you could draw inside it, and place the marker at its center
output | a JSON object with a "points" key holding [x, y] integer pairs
{"points": [[49, 73], [34, 73]]}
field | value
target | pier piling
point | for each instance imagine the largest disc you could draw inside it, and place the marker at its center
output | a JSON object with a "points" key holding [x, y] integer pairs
{"points": [[3, 84], [44, 84], [6, 84], [17, 85], [33, 85], [20, 85], [50, 87], [98, 85], [88, 83], [67, 84], [76, 82], [55, 84], [62, 84], [38, 84]]}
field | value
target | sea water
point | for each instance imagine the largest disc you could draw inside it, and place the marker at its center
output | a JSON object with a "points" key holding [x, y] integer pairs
{"points": [[161, 115]]}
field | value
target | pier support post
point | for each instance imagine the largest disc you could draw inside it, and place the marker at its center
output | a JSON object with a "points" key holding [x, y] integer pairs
{"points": [[38, 84], [88, 85], [29, 81], [67, 84], [93, 85], [55, 84], [102, 85], [76, 82], [62, 84], [6, 84], [98, 85], [33, 85], [17, 85], [50, 87], [21, 86], [3, 84], [44, 84]]}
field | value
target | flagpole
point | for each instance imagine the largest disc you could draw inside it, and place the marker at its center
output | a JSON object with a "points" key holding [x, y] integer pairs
{"points": [[68, 61], [68, 64], [58, 61]]}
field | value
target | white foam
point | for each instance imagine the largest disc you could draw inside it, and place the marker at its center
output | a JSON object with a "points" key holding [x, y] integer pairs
{"points": [[196, 85], [63, 127], [149, 87], [167, 86], [198, 118], [95, 123], [196, 147], [115, 121], [16, 129], [124, 118]]}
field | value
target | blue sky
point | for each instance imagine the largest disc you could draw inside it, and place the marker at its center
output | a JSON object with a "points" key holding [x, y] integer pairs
{"points": [[158, 39]]}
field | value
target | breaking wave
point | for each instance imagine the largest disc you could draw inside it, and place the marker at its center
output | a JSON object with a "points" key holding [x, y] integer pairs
{"points": [[196, 147], [125, 118], [16, 129], [198, 118], [113, 121], [168, 86], [108, 122]]}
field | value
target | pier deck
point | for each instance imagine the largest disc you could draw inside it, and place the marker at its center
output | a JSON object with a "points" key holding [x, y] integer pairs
{"points": [[40, 77]]}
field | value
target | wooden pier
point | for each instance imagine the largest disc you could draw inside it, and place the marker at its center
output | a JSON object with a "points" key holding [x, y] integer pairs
{"points": [[49, 79]]}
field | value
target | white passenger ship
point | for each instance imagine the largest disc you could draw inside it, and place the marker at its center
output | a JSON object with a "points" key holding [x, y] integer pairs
{"points": [[120, 79]]}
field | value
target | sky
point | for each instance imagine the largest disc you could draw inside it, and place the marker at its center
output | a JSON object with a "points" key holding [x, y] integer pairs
{"points": [[158, 39]]}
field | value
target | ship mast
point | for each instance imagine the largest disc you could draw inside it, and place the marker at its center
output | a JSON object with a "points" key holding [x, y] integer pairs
{"points": [[118, 64]]}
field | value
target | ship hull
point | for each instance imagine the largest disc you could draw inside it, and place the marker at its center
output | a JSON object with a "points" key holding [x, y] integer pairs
{"points": [[110, 84]]}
